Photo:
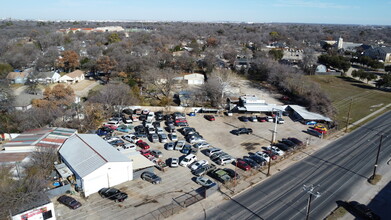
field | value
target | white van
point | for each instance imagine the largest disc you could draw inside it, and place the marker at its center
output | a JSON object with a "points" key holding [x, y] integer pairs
{"points": [[189, 159]]}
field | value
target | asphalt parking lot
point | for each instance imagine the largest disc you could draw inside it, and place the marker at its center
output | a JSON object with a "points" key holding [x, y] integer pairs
{"points": [[145, 197]]}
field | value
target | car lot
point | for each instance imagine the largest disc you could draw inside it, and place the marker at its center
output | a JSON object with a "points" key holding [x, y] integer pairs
{"points": [[144, 196]]}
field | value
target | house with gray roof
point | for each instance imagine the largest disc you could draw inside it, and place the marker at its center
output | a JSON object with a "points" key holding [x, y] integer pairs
{"points": [[379, 53], [47, 77], [95, 163]]}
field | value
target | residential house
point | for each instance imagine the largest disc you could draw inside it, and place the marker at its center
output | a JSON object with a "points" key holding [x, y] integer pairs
{"points": [[18, 77], [23, 101], [191, 78], [73, 77], [47, 77], [95, 163], [379, 53]]}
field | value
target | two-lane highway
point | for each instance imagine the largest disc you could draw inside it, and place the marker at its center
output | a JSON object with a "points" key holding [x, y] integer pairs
{"points": [[335, 171]]}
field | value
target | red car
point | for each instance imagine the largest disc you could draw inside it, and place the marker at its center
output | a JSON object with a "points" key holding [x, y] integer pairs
{"points": [[242, 164], [145, 153], [262, 119], [320, 131], [210, 117], [143, 145], [271, 154]]}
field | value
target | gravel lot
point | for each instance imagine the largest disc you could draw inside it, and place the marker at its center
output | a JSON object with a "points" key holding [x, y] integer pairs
{"points": [[145, 197]]}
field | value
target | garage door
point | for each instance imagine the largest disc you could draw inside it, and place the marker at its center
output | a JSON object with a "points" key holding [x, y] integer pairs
{"points": [[94, 184]]}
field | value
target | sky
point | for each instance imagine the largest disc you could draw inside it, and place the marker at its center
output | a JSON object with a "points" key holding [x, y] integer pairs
{"points": [[364, 12]]}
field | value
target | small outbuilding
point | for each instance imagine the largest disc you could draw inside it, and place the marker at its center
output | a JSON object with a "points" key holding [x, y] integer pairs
{"points": [[95, 163]]}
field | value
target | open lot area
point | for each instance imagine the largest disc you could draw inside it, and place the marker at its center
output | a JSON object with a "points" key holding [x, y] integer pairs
{"points": [[344, 90], [145, 197]]}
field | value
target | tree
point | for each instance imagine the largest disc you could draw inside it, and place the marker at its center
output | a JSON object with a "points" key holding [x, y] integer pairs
{"points": [[384, 81], [276, 54], [6, 97], [60, 96], [160, 84], [5, 68], [212, 42], [217, 85], [274, 36], [105, 64], [370, 76], [309, 60], [69, 60], [113, 38]]}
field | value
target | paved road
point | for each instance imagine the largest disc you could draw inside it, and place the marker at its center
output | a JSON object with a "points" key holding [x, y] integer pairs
{"points": [[337, 169]]}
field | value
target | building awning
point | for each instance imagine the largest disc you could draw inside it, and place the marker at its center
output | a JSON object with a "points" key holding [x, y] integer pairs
{"points": [[308, 116], [63, 170], [139, 161]]}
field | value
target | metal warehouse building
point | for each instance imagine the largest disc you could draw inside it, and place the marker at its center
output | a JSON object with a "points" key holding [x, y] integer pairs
{"points": [[95, 163]]}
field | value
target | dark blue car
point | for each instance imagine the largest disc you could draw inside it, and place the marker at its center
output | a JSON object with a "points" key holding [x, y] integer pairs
{"points": [[103, 131], [186, 149]]}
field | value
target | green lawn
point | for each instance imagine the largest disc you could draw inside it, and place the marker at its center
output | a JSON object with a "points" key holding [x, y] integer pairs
{"points": [[341, 90]]}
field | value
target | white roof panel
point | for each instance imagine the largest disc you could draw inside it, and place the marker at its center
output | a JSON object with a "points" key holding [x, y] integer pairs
{"points": [[309, 116], [85, 153]]}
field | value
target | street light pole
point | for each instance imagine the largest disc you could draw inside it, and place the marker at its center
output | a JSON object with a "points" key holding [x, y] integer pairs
{"points": [[377, 158], [310, 190], [275, 129]]}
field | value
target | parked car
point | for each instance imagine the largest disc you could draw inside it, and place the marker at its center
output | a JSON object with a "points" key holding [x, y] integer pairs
{"points": [[189, 159], [220, 175], [143, 145], [180, 144], [69, 201], [262, 119], [113, 194], [174, 162], [242, 164], [104, 131], [269, 118], [234, 175], [151, 177], [242, 131], [314, 133], [288, 142], [203, 181], [223, 160], [260, 160], [296, 141], [251, 162], [198, 164], [156, 153], [131, 138], [209, 152], [280, 121], [173, 136], [170, 128], [217, 155], [320, 127], [159, 116], [146, 153], [127, 111], [170, 146], [129, 146], [311, 123], [271, 154], [253, 118], [282, 147], [210, 117], [186, 149], [145, 112], [243, 118], [203, 169], [163, 138], [156, 124], [153, 137], [112, 124], [116, 142], [320, 130], [276, 150], [201, 145], [263, 155]]}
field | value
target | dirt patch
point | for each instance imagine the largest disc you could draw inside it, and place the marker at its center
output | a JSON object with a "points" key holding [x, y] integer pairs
{"points": [[250, 146], [146, 201]]}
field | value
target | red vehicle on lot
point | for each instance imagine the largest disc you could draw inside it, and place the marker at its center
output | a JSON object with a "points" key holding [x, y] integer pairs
{"points": [[143, 145], [146, 153], [209, 117], [320, 131], [262, 119], [271, 154], [111, 126], [242, 164]]}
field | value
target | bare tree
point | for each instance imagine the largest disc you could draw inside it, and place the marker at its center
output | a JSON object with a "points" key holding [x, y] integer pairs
{"points": [[160, 84]]}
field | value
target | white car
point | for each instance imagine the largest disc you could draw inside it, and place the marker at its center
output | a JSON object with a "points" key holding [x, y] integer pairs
{"points": [[189, 159], [277, 151], [179, 145], [201, 145], [203, 181], [159, 130], [211, 151], [264, 155], [269, 119], [174, 162], [173, 136], [253, 118], [129, 146], [131, 138], [198, 164]]}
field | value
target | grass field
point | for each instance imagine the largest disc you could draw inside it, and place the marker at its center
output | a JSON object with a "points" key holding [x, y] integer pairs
{"points": [[344, 90]]}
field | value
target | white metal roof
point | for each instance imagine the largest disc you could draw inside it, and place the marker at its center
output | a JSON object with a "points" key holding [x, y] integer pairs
{"points": [[309, 116], [261, 108], [85, 153], [139, 161]]}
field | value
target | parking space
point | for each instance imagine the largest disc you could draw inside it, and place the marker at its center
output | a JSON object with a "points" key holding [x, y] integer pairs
{"points": [[145, 197]]}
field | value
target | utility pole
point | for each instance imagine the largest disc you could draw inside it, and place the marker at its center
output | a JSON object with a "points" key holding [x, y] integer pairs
{"points": [[268, 167], [377, 158], [310, 190], [275, 129], [347, 120]]}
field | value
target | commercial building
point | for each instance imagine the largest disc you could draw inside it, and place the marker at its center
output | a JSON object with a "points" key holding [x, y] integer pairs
{"points": [[95, 163]]}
